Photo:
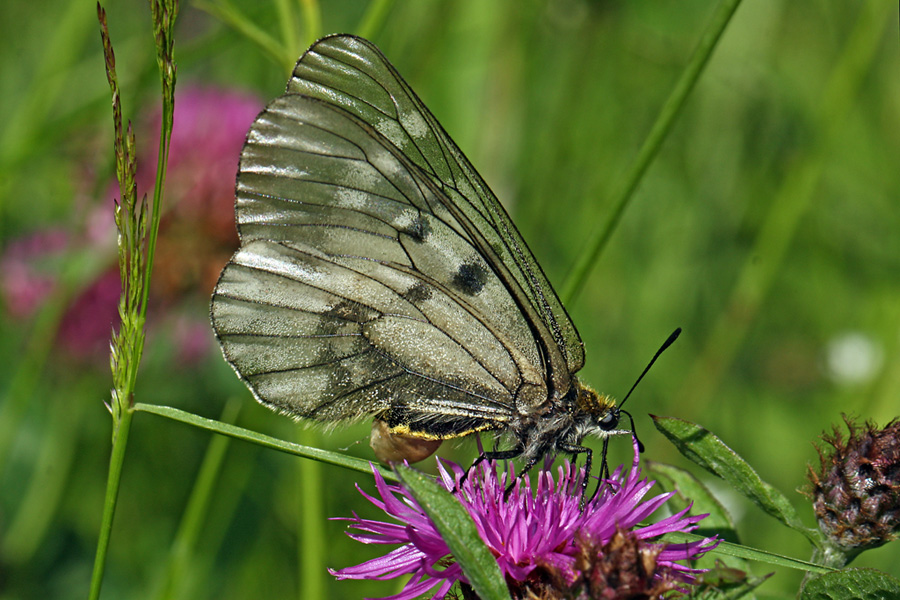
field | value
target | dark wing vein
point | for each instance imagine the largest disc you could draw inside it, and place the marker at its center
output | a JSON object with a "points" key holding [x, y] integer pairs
{"points": [[315, 365], [412, 200], [420, 317], [430, 243]]}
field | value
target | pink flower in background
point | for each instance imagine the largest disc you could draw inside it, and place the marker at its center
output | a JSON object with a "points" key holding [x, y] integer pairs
{"points": [[545, 544], [197, 232], [24, 285]]}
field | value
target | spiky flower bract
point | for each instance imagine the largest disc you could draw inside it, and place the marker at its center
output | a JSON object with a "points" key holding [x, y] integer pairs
{"points": [[856, 492]]}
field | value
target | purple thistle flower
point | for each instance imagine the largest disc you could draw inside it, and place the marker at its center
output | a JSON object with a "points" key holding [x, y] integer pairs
{"points": [[542, 539]]}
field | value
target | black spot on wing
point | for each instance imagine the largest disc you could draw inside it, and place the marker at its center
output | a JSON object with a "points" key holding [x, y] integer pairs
{"points": [[420, 292], [470, 277], [418, 230]]}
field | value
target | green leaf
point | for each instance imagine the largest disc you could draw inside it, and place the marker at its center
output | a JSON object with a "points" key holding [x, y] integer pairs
{"points": [[333, 458], [690, 489], [459, 531], [729, 577], [704, 448], [729, 549], [855, 584]]}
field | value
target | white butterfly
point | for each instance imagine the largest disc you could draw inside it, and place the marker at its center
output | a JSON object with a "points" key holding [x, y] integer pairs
{"points": [[379, 276]]}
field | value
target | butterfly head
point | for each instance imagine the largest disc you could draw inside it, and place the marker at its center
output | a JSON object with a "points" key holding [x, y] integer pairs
{"points": [[598, 414], [595, 414]]}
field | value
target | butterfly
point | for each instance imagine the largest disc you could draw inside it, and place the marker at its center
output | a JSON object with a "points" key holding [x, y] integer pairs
{"points": [[378, 276]]}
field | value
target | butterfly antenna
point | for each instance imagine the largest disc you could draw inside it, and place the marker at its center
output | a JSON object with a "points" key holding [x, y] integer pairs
{"points": [[634, 430], [666, 344]]}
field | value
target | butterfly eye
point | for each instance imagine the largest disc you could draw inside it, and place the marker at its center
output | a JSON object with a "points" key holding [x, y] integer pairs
{"points": [[609, 421]]}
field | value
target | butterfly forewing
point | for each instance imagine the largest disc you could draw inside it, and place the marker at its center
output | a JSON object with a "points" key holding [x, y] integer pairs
{"points": [[341, 303], [377, 272], [353, 73]]}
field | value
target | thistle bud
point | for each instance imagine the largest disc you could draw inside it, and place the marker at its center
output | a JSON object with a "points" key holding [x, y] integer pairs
{"points": [[856, 495]]}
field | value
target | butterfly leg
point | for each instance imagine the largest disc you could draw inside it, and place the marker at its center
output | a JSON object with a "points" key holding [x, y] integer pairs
{"points": [[525, 469], [604, 468], [492, 455], [575, 450]]}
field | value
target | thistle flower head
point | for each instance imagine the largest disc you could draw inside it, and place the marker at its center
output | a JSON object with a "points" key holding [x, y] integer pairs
{"points": [[856, 492], [546, 546]]}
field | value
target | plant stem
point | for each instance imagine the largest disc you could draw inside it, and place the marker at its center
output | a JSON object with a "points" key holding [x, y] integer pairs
{"points": [[658, 133], [311, 517], [247, 435], [116, 460], [136, 247], [182, 556]]}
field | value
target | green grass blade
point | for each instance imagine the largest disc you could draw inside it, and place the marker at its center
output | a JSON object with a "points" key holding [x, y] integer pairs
{"points": [[459, 532], [325, 456], [232, 17], [310, 523], [182, 555], [791, 203], [690, 488], [658, 133], [737, 550]]}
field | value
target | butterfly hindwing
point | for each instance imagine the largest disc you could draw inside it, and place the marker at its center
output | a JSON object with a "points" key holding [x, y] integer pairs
{"points": [[307, 344]]}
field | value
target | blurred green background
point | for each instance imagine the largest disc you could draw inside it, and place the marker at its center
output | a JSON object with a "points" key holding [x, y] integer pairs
{"points": [[768, 228]]}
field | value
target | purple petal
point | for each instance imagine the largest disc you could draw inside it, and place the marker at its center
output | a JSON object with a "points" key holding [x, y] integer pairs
{"points": [[400, 561], [531, 526], [413, 589]]}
